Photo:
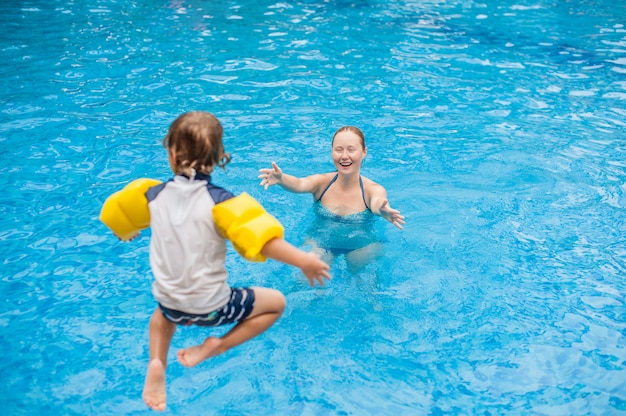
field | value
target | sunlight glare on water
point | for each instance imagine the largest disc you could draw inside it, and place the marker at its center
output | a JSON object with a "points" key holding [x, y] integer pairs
{"points": [[497, 128]]}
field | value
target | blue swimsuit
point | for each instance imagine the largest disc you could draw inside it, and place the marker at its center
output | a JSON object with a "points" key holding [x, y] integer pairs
{"points": [[341, 234], [333, 181]]}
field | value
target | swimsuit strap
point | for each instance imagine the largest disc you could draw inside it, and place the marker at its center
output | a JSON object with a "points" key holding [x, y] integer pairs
{"points": [[333, 181], [362, 192], [328, 186]]}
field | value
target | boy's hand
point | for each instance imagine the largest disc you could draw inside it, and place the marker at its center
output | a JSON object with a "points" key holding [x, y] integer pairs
{"points": [[126, 240], [315, 269], [309, 263]]}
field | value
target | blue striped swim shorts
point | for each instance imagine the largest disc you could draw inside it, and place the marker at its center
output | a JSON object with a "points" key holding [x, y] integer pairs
{"points": [[236, 309]]}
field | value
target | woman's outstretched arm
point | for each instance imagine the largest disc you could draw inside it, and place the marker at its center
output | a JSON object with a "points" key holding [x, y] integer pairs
{"points": [[276, 176], [379, 205]]}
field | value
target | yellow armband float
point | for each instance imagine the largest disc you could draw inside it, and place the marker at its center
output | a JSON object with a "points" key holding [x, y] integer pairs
{"points": [[126, 212], [247, 225]]}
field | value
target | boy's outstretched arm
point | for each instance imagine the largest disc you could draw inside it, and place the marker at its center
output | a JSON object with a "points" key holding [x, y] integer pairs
{"points": [[310, 263]]}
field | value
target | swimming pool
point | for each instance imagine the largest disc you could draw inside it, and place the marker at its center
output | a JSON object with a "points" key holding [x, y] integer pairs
{"points": [[497, 128]]}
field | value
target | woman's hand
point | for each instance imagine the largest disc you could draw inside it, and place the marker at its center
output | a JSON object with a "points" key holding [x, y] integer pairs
{"points": [[270, 176], [391, 215]]}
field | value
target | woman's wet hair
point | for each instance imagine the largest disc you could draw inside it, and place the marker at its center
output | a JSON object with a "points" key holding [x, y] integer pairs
{"points": [[351, 129]]}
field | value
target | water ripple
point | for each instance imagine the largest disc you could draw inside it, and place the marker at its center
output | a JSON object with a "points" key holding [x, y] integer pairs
{"points": [[496, 129]]}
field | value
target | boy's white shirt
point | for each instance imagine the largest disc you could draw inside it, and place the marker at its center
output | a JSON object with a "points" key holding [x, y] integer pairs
{"points": [[187, 253]]}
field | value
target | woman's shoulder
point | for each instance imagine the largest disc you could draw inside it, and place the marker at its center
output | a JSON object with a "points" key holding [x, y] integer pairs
{"points": [[372, 188], [317, 182], [323, 178], [368, 183]]}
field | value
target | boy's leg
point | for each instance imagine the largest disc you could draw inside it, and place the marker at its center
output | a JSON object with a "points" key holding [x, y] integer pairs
{"points": [[161, 332], [269, 305]]}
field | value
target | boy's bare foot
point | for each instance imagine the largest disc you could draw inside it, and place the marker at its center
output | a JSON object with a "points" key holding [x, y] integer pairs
{"points": [[194, 355], [154, 389]]}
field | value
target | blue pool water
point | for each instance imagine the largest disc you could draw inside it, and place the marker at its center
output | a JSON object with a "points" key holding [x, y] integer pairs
{"points": [[497, 127]]}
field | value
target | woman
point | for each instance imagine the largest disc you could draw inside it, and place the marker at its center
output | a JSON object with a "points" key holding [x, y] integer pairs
{"points": [[346, 203]]}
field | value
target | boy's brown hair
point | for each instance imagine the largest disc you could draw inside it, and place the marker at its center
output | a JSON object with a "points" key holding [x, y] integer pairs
{"points": [[196, 138]]}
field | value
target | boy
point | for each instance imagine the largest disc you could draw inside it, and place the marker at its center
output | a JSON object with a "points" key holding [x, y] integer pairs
{"points": [[190, 218]]}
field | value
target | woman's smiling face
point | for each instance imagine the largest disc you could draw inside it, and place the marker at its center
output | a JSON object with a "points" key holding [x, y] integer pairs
{"points": [[348, 152]]}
